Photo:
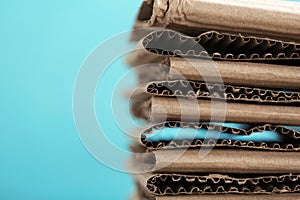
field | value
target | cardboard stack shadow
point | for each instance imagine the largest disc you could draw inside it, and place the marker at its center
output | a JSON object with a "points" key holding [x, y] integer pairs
{"points": [[255, 48]]}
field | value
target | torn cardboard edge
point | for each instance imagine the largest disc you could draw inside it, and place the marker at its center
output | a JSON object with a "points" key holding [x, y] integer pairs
{"points": [[289, 145], [273, 19], [183, 184], [230, 161]]}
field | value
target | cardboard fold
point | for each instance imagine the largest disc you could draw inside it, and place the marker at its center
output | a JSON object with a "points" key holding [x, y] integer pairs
{"points": [[159, 45], [235, 73], [291, 143], [203, 90], [273, 19], [181, 109], [196, 184], [244, 45], [219, 197], [225, 161]]}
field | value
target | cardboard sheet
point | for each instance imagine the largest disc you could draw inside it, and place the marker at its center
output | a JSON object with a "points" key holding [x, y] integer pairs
{"points": [[219, 197], [289, 143], [158, 45], [159, 109], [235, 73], [202, 90], [273, 19], [252, 44], [191, 184], [220, 161]]}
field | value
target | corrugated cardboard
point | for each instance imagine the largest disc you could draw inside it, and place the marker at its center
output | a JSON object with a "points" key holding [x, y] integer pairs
{"points": [[236, 73], [142, 101], [231, 161], [202, 90], [220, 161], [235, 34], [273, 19], [291, 143], [156, 46], [165, 108], [189, 184], [220, 197], [232, 73]]}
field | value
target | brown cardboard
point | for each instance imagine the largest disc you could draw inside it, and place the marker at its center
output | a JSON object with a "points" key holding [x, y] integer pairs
{"points": [[185, 184], [220, 161], [164, 108], [231, 197], [291, 142], [158, 45], [229, 31], [210, 143], [222, 197], [232, 73], [289, 132], [236, 73], [273, 19], [201, 90]]}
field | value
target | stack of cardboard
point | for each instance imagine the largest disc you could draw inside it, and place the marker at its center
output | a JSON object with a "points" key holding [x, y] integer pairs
{"points": [[225, 127]]}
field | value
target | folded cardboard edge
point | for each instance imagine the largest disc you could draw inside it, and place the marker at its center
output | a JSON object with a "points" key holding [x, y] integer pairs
{"points": [[159, 109], [182, 109], [291, 145], [193, 89], [193, 17], [232, 73], [182, 184], [140, 196], [222, 46]]}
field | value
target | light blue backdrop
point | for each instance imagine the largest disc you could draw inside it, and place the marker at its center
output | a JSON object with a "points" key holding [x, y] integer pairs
{"points": [[42, 45]]}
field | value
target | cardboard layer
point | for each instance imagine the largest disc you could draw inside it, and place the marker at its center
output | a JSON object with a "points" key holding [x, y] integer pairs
{"points": [[164, 108], [227, 72], [203, 90], [158, 45], [290, 142], [243, 129], [273, 19], [220, 197], [220, 45], [191, 184], [221, 161], [235, 73], [232, 197]]}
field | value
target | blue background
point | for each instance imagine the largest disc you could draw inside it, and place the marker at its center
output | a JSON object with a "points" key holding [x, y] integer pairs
{"points": [[43, 44]]}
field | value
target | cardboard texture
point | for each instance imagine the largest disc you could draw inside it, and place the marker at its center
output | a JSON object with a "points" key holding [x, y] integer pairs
{"points": [[159, 109], [226, 72], [291, 143], [253, 47], [220, 197], [236, 73], [273, 19], [221, 161], [202, 90], [158, 45], [187, 184]]}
